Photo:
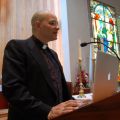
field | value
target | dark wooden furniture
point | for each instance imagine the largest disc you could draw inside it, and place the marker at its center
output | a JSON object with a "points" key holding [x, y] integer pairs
{"points": [[107, 109], [3, 101]]}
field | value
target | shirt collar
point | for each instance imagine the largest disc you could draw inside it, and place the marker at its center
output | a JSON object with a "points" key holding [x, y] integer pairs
{"points": [[39, 43]]}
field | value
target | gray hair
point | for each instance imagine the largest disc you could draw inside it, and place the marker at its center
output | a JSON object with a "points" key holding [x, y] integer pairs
{"points": [[39, 16]]}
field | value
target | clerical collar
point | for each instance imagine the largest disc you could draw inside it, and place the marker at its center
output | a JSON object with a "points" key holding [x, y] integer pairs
{"points": [[40, 44], [44, 46]]}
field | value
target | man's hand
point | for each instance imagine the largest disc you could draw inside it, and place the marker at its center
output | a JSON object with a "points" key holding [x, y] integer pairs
{"points": [[64, 108]]}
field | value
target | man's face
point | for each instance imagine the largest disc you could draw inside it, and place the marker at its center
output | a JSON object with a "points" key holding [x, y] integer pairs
{"points": [[49, 28]]}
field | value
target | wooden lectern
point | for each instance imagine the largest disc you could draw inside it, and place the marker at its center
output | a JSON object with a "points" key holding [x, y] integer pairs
{"points": [[107, 109]]}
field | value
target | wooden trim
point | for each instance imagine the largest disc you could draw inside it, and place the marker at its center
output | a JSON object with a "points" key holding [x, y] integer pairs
{"points": [[3, 113]]}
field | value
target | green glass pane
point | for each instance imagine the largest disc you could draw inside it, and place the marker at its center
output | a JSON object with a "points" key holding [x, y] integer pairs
{"points": [[98, 27], [118, 27]]}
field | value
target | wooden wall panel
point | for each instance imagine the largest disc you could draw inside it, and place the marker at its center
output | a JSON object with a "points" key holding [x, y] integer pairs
{"points": [[15, 21]]}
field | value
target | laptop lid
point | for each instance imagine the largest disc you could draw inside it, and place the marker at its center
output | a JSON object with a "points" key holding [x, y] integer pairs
{"points": [[105, 77]]}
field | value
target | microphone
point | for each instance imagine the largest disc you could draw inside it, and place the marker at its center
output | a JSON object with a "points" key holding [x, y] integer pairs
{"points": [[86, 43]]}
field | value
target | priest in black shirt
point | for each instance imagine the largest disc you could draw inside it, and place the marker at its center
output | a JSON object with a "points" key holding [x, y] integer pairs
{"points": [[33, 79]]}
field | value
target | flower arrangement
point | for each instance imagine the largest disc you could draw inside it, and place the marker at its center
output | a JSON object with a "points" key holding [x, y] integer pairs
{"points": [[81, 79]]}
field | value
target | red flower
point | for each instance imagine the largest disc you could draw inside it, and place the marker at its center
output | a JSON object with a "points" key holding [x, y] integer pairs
{"points": [[82, 77], [97, 17], [111, 21]]}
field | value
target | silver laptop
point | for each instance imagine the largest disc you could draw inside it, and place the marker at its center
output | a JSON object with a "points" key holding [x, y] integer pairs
{"points": [[105, 77]]}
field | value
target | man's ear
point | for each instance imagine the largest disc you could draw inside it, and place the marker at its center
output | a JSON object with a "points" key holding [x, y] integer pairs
{"points": [[37, 24]]}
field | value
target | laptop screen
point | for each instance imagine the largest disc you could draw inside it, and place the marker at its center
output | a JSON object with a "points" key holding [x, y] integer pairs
{"points": [[105, 76]]}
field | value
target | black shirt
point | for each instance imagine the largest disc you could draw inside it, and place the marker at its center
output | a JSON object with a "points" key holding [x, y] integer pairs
{"points": [[53, 67]]}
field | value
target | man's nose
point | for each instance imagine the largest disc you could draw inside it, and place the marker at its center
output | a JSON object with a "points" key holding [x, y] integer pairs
{"points": [[58, 27]]}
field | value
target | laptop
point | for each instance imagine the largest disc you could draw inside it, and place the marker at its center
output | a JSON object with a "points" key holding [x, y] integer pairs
{"points": [[105, 76]]}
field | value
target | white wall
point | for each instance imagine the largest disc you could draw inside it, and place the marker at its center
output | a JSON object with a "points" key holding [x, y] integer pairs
{"points": [[65, 40], [78, 28]]}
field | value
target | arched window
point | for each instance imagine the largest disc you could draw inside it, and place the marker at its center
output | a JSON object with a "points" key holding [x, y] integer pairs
{"points": [[104, 27]]}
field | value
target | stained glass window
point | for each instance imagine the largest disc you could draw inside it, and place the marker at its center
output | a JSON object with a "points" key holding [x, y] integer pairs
{"points": [[104, 27]]}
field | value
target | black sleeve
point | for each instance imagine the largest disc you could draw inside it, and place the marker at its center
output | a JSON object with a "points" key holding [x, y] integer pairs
{"points": [[14, 86]]}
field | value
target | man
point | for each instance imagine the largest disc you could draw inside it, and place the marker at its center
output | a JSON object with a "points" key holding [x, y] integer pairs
{"points": [[33, 80]]}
